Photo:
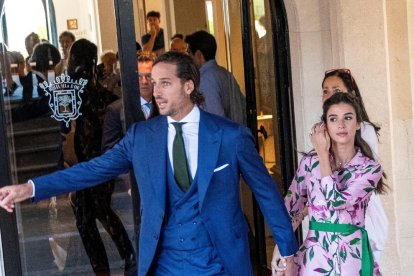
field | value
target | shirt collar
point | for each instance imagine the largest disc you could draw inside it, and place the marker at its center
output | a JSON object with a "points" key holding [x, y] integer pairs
{"points": [[208, 64], [192, 117], [143, 101]]}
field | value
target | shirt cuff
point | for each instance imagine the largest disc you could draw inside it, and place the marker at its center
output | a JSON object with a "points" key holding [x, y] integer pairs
{"points": [[287, 256], [33, 187]]}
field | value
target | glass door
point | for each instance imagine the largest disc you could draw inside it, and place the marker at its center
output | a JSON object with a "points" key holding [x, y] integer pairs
{"points": [[80, 233], [273, 99]]}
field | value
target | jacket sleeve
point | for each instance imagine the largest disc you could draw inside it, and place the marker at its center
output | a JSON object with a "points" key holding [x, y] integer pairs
{"points": [[269, 199], [88, 174]]}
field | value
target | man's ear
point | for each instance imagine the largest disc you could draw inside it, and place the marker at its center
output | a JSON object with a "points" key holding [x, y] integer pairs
{"points": [[189, 87], [199, 56]]}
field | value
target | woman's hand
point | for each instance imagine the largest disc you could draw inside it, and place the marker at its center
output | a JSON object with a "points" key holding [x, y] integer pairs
{"points": [[321, 141], [320, 138]]}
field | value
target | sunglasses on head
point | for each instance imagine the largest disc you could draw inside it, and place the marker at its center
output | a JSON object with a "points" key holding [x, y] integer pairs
{"points": [[343, 71]]}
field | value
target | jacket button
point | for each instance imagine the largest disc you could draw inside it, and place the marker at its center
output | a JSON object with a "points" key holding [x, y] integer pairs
{"points": [[155, 237]]}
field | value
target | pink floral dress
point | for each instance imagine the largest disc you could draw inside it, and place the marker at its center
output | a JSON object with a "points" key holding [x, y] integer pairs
{"points": [[339, 198]]}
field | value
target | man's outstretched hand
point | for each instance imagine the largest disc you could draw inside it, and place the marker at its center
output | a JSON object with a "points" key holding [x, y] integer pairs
{"points": [[9, 195]]}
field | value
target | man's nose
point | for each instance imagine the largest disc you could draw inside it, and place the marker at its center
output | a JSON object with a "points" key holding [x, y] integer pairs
{"points": [[155, 90]]}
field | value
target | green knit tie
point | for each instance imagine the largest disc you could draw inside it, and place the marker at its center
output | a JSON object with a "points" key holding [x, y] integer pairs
{"points": [[181, 172]]}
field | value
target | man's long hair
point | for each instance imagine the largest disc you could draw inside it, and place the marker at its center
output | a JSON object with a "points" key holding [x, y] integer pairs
{"points": [[186, 70]]}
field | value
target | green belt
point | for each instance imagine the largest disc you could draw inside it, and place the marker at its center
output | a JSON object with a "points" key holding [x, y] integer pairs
{"points": [[367, 257]]}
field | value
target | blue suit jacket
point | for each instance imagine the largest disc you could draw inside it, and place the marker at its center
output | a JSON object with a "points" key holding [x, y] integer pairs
{"points": [[226, 151]]}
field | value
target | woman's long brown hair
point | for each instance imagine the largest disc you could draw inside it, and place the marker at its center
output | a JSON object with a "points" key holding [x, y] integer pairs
{"points": [[350, 99]]}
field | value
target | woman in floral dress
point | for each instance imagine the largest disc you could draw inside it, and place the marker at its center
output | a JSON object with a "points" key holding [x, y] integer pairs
{"points": [[336, 181]]}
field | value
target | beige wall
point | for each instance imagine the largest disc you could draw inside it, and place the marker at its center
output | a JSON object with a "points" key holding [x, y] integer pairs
{"points": [[107, 25], [190, 16], [401, 95], [83, 12], [375, 40]]}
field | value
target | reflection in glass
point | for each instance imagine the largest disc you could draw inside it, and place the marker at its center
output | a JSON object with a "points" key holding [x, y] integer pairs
{"points": [[266, 99], [49, 239]]}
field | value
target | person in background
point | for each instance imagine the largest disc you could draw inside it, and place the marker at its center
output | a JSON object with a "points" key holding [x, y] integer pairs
{"points": [[112, 127], [108, 73], [335, 181], [17, 68], [94, 203], [44, 58], [66, 40], [178, 44], [153, 41], [6, 74], [218, 86], [30, 41]]}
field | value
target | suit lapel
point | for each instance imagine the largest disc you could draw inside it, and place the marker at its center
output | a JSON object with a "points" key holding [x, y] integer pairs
{"points": [[156, 149], [209, 141]]}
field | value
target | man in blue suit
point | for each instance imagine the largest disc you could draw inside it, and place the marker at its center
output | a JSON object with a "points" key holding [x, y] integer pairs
{"points": [[191, 217]]}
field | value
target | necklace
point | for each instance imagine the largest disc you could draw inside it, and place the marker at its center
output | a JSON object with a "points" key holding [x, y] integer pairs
{"points": [[339, 165]]}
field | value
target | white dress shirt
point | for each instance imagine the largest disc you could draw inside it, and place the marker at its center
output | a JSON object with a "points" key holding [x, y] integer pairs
{"points": [[190, 137], [145, 108]]}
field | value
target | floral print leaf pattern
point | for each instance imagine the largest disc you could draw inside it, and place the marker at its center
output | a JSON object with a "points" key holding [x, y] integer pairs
{"points": [[311, 254], [320, 270], [347, 176], [300, 179], [315, 165], [325, 244], [339, 198], [355, 241], [342, 254], [369, 189], [338, 203], [312, 239]]}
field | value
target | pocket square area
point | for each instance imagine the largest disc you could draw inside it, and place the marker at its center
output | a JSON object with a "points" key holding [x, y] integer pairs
{"points": [[220, 168]]}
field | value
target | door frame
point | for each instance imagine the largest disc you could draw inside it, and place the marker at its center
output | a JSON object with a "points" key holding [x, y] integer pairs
{"points": [[129, 78], [284, 103]]}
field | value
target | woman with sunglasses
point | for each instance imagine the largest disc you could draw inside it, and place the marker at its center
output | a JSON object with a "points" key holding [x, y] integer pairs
{"points": [[336, 181]]}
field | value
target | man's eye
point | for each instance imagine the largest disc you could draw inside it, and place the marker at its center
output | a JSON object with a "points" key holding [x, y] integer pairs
{"points": [[332, 120], [348, 118], [165, 84], [337, 90]]}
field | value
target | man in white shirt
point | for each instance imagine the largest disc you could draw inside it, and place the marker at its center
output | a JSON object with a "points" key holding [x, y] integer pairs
{"points": [[187, 163]]}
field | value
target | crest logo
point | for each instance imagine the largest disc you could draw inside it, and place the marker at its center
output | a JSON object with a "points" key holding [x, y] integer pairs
{"points": [[64, 97]]}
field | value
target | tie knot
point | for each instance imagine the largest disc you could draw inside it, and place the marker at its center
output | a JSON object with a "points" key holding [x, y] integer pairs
{"points": [[149, 105], [178, 127]]}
